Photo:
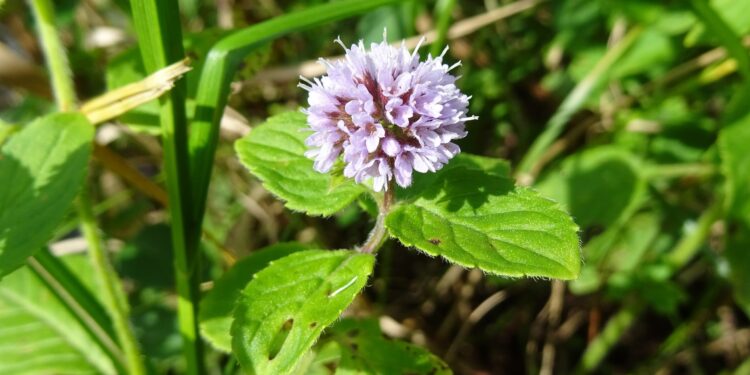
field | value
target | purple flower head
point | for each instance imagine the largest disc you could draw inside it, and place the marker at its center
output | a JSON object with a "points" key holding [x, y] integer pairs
{"points": [[388, 114]]}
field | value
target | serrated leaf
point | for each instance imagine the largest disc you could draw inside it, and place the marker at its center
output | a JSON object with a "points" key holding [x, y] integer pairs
{"points": [[477, 218], [364, 350], [217, 307], [274, 152], [43, 167], [284, 309], [39, 335]]}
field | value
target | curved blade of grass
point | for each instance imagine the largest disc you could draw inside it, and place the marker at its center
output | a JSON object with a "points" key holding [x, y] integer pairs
{"points": [[55, 56], [220, 66]]}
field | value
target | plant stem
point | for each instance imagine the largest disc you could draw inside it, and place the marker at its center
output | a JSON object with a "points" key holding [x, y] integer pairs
{"points": [[65, 96], [157, 24], [54, 54], [686, 248], [379, 232], [667, 171], [112, 293]]}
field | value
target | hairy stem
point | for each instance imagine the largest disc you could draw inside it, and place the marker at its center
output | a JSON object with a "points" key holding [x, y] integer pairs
{"points": [[112, 293], [379, 233], [54, 54]]}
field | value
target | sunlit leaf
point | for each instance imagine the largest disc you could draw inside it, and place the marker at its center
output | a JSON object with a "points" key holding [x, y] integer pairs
{"points": [[217, 307], [43, 167], [284, 309], [274, 152], [480, 219], [39, 335]]}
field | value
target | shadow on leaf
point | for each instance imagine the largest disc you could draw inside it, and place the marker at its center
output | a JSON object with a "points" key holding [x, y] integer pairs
{"points": [[465, 181]]}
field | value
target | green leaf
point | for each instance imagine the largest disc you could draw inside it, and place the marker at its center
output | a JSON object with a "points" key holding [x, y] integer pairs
{"points": [[364, 350], [477, 218], [599, 186], [284, 309], [46, 162], [217, 307], [39, 335], [274, 152]]}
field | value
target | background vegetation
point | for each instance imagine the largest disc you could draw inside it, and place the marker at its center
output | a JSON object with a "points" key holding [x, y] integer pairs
{"points": [[634, 114]]}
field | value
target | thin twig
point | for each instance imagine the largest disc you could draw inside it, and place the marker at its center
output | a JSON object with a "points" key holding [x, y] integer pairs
{"points": [[477, 314], [553, 321], [112, 293]]}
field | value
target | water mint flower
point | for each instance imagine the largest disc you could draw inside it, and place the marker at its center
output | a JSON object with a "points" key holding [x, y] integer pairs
{"points": [[386, 112]]}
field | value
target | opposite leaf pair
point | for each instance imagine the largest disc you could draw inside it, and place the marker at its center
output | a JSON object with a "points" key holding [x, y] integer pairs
{"points": [[469, 212]]}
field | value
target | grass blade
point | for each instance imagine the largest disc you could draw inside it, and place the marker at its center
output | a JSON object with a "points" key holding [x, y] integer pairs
{"points": [[160, 38]]}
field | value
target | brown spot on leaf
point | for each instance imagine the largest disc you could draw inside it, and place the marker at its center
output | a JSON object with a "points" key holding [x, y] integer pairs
{"points": [[435, 241], [287, 325]]}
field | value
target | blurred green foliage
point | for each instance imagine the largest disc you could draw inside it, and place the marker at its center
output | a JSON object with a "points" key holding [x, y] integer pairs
{"points": [[641, 166]]}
